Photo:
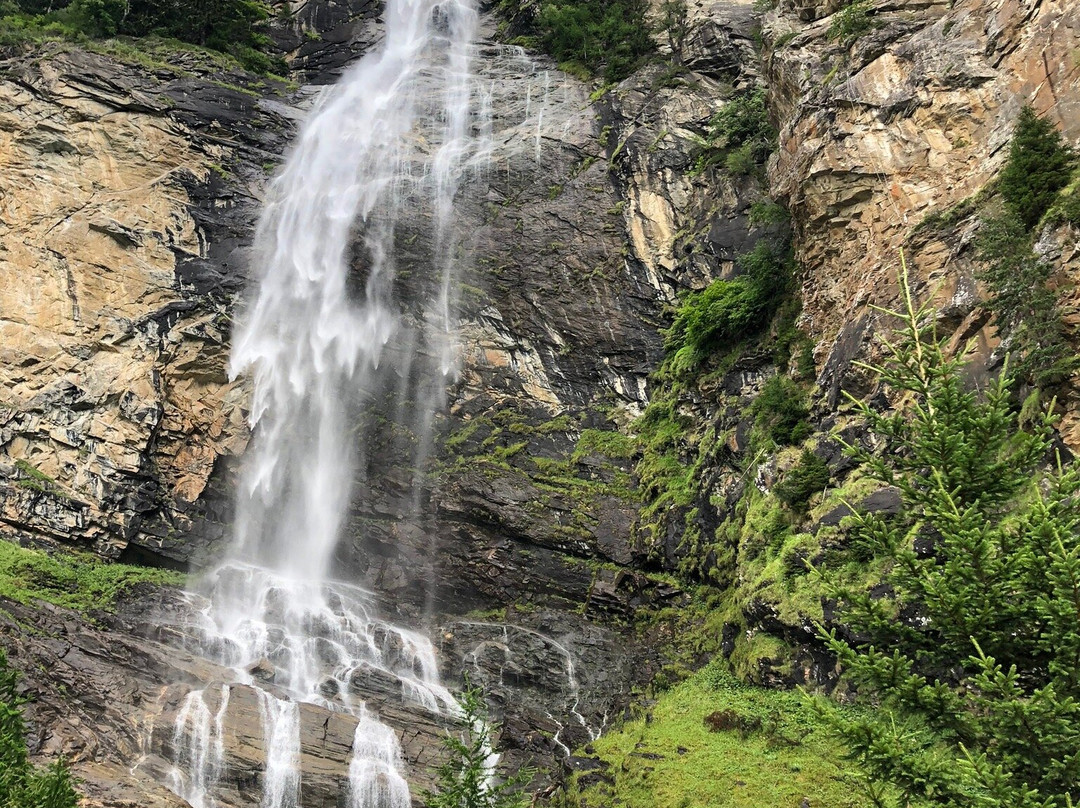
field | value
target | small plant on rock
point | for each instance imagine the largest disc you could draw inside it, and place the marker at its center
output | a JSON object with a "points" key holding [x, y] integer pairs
{"points": [[850, 23], [23, 785], [467, 778]]}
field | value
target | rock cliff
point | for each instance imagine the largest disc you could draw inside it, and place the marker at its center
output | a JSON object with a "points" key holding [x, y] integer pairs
{"points": [[129, 190]]}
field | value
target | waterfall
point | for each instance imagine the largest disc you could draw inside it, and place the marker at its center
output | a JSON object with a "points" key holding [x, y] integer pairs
{"points": [[349, 327], [392, 139]]}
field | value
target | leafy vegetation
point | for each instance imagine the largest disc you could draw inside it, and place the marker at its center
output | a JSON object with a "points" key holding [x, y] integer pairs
{"points": [[82, 582], [727, 311], [740, 135], [970, 651], [587, 37], [714, 741], [1024, 305], [464, 779], [23, 785], [808, 477], [850, 23], [780, 411], [228, 26]]}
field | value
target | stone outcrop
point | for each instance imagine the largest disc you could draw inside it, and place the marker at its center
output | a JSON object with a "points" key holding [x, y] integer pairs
{"points": [[909, 119], [128, 194], [116, 400]]}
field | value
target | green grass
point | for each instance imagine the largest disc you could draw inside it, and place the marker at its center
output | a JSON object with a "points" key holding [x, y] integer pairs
{"points": [[76, 581], [786, 759]]}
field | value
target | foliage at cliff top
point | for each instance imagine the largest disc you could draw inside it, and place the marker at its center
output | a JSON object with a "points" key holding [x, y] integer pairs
{"points": [[21, 784], [607, 38], [228, 26], [82, 582], [970, 652]]}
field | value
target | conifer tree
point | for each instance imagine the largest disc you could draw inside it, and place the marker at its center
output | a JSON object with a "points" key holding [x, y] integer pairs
{"points": [[21, 784], [466, 778], [971, 661], [1038, 167]]}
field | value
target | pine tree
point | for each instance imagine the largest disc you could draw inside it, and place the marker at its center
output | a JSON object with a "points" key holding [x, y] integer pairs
{"points": [[466, 779], [1038, 167], [21, 784], [971, 661]]}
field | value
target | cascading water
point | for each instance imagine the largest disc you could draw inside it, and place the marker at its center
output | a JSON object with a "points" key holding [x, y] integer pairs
{"points": [[338, 335], [394, 136]]}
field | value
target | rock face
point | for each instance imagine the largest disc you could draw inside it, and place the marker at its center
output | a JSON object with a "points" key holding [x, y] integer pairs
{"points": [[128, 194], [911, 118], [116, 311]]}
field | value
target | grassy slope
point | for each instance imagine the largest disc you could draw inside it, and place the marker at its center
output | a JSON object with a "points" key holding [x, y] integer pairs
{"points": [[82, 582], [787, 760]]}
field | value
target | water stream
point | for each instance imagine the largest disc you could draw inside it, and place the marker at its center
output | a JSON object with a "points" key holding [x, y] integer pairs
{"points": [[327, 332]]}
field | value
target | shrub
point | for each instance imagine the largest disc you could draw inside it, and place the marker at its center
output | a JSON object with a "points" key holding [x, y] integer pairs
{"points": [[228, 26], [1038, 167], [21, 784], [808, 477], [464, 780], [99, 17], [969, 649], [850, 23], [780, 411], [675, 22], [742, 125], [729, 310], [608, 38], [741, 162]]}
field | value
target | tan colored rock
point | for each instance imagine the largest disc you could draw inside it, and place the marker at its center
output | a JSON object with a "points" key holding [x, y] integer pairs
{"points": [[912, 120], [112, 379]]}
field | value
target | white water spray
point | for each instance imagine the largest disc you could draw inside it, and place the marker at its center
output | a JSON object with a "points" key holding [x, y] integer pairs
{"points": [[327, 333], [393, 137]]}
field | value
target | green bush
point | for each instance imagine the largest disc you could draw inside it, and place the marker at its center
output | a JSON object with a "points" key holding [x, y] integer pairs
{"points": [[21, 784], [1038, 167], [741, 127], [729, 310], [850, 23], [808, 477], [465, 779], [780, 411], [606, 38], [969, 649]]}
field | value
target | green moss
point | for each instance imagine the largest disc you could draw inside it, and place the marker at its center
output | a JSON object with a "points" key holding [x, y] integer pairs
{"points": [[779, 755], [76, 581], [611, 444]]}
